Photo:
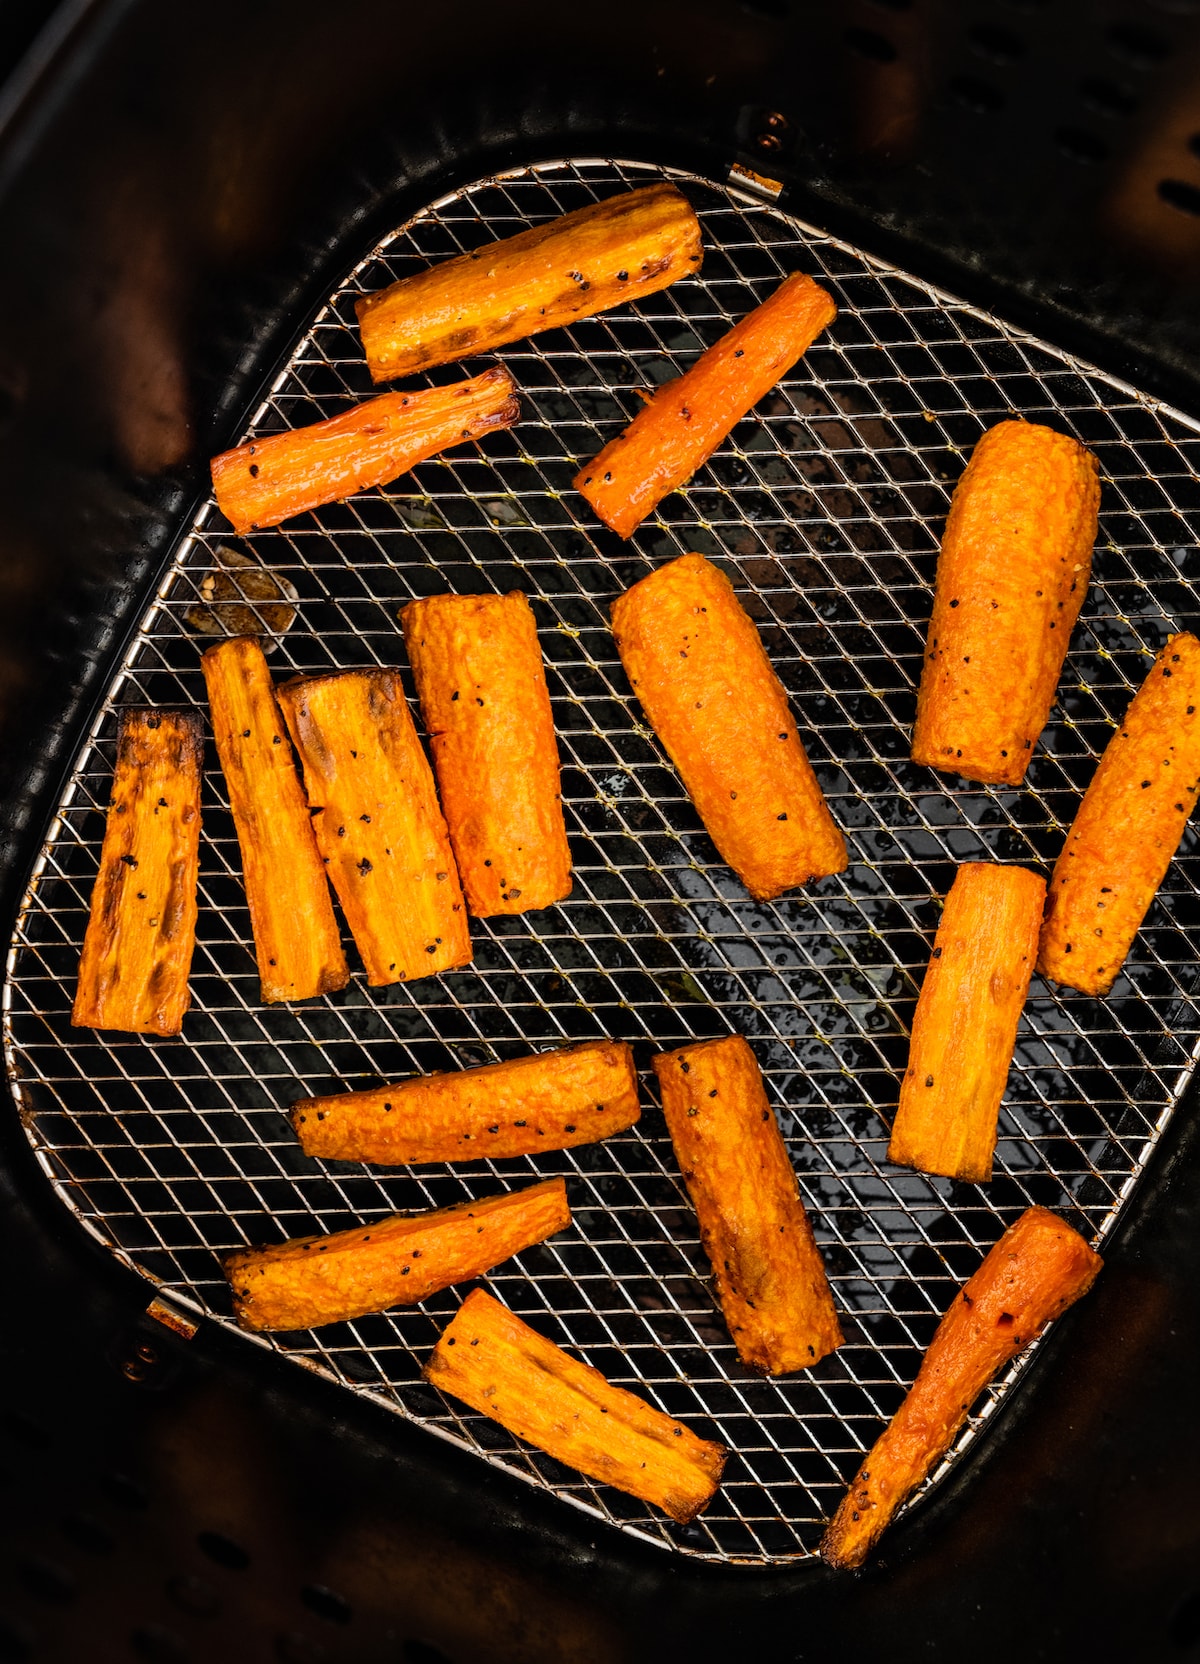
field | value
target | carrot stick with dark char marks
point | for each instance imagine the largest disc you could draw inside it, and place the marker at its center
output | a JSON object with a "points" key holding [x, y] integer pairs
{"points": [[1039, 1267], [770, 1277], [570, 268], [137, 950], [550, 1101], [506, 1370], [682, 425], [268, 480], [1128, 827], [396, 1261]]}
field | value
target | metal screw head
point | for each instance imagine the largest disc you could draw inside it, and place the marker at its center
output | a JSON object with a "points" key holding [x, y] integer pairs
{"points": [[776, 121], [769, 142]]}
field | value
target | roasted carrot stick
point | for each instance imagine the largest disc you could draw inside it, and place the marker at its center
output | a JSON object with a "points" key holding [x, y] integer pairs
{"points": [[483, 695], [572, 267], [1038, 1268], [682, 425], [506, 1370], [379, 829], [268, 480], [1011, 578], [137, 951], [394, 1262], [965, 1026], [296, 936], [1127, 828], [696, 663], [770, 1277], [550, 1101]]}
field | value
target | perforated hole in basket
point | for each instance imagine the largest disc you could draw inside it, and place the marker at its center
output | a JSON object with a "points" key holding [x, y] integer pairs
{"points": [[825, 507]]}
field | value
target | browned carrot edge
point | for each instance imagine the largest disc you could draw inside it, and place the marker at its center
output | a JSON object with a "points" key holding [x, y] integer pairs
{"points": [[1039, 1267], [685, 421], [280, 475]]}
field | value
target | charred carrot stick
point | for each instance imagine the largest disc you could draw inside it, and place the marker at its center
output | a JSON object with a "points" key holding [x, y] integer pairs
{"points": [[570, 268], [393, 1262], [965, 1026], [506, 1370], [682, 425], [483, 694], [1127, 828], [698, 667], [770, 1276], [296, 937], [1039, 1267], [379, 828], [268, 480], [1011, 578], [137, 950], [550, 1101]]}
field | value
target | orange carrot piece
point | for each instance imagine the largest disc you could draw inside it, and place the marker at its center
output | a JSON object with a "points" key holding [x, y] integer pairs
{"points": [[697, 665], [685, 421], [506, 1370], [378, 825], [570, 268], [396, 1261], [296, 936], [1011, 578], [1039, 1267], [550, 1101], [483, 694], [965, 1026], [1127, 828], [770, 1276], [268, 480], [137, 950]]}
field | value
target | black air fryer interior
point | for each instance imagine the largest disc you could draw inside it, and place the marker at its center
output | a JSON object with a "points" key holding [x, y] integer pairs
{"points": [[180, 185]]}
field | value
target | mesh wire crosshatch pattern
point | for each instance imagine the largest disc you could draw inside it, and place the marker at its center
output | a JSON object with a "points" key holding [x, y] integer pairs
{"points": [[825, 507]]}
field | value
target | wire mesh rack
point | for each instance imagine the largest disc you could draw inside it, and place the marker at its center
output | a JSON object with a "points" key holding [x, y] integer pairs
{"points": [[825, 507]]}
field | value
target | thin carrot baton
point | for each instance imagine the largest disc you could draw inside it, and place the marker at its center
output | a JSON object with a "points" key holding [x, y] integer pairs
{"points": [[393, 1262], [268, 480], [141, 932], [296, 936], [1011, 577], [570, 268], [507, 1371], [1127, 828], [549, 1101], [1039, 1267], [682, 425], [965, 1027]]}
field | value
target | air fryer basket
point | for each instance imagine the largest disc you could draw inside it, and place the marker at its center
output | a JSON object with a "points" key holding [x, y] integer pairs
{"points": [[825, 508], [181, 191]]}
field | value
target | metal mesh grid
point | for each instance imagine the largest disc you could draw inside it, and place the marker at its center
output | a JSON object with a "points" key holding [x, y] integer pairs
{"points": [[825, 507]]}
